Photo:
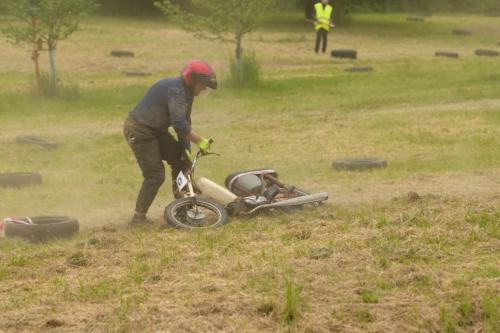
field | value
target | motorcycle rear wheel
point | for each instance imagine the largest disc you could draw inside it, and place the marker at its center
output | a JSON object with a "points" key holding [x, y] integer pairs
{"points": [[205, 213]]}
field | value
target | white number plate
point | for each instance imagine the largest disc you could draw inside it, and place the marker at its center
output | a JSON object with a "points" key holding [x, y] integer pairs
{"points": [[181, 181]]}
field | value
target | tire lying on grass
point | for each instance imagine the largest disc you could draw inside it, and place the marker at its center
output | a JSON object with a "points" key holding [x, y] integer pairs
{"points": [[415, 19], [36, 140], [462, 32], [137, 73], [42, 228], [20, 179], [347, 54], [359, 69], [487, 53], [365, 163], [122, 54], [446, 54]]}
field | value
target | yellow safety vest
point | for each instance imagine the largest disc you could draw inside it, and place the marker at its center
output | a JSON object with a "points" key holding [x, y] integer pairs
{"points": [[323, 15]]}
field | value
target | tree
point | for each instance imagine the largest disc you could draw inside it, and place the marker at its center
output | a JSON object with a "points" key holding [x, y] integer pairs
{"points": [[44, 22], [134, 7], [226, 20], [341, 11]]}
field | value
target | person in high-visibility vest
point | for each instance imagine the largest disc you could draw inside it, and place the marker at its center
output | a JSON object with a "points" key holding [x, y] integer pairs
{"points": [[322, 23]]}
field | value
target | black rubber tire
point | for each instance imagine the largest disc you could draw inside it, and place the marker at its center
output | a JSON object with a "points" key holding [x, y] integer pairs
{"points": [[487, 53], [462, 32], [415, 19], [36, 140], [172, 209], [346, 54], [366, 163], [137, 73], [20, 179], [44, 228], [359, 69], [447, 54], [122, 54]]}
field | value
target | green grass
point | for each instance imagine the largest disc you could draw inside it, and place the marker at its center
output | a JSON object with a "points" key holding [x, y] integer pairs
{"points": [[491, 303], [374, 259], [291, 309], [368, 296]]}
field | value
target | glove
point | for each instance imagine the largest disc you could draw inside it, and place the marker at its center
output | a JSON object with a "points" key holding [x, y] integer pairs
{"points": [[204, 145]]}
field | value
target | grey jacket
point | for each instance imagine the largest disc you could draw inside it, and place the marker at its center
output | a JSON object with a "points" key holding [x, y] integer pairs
{"points": [[167, 103]]}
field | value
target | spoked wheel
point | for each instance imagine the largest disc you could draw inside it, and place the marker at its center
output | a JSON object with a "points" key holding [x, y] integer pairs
{"points": [[185, 213]]}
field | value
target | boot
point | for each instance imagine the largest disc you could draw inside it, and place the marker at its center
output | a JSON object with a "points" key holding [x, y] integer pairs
{"points": [[139, 220]]}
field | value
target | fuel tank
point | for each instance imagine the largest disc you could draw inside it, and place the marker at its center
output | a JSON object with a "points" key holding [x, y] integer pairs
{"points": [[215, 191]]}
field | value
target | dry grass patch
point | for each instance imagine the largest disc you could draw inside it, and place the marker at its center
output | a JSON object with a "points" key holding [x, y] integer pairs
{"points": [[413, 264]]}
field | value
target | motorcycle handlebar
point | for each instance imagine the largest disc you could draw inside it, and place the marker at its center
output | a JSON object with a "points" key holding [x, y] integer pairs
{"points": [[200, 153]]}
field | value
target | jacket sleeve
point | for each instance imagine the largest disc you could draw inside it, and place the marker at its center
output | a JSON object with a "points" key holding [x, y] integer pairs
{"points": [[177, 108], [185, 144]]}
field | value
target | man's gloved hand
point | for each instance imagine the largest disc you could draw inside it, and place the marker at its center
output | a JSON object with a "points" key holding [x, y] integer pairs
{"points": [[204, 145]]}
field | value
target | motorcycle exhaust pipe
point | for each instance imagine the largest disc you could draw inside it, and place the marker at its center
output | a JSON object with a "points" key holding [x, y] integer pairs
{"points": [[311, 198]]}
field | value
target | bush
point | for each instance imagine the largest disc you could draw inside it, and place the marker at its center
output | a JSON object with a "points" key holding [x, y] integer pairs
{"points": [[45, 87], [61, 91], [250, 72]]}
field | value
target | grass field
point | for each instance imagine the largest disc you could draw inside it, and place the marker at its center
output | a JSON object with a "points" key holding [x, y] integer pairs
{"points": [[375, 259]]}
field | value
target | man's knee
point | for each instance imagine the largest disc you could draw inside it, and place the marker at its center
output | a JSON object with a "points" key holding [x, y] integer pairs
{"points": [[154, 177], [153, 173]]}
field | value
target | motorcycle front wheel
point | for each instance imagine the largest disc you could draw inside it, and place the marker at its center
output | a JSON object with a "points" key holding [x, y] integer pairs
{"points": [[189, 213]]}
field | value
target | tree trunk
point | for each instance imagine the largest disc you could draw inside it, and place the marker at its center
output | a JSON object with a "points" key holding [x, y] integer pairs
{"points": [[35, 54], [53, 77], [309, 9], [341, 11], [239, 61]]}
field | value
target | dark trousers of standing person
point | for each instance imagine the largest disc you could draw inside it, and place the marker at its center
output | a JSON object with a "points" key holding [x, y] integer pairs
{"points": [[321, 35], [151, 147]]}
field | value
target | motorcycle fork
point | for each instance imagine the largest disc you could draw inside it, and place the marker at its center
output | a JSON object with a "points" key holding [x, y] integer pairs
{"points": [[192, 194]]}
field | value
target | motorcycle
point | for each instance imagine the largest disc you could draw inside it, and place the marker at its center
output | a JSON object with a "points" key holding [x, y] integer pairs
{"points": [[206, 204]]}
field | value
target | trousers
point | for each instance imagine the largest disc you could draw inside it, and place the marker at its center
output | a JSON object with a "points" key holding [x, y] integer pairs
{"points": [[321, 36], [151, 147]]}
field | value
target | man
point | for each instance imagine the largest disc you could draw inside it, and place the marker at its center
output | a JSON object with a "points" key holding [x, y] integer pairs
{"points": [[167, 103], [322, 23]]}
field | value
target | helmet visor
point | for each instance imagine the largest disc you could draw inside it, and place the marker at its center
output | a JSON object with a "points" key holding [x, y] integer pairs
{"points": [[208, 80]]}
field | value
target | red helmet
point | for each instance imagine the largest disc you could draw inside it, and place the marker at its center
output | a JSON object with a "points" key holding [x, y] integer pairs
{"points": [[199, 71]]}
